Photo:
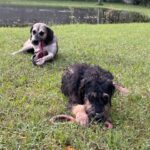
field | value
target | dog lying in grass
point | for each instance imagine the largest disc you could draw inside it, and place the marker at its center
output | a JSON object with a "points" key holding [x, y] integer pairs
{"points": [[90, 90], [42, 42]]}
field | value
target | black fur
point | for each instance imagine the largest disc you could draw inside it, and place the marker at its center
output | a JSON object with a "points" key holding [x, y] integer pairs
{"points": [[50, 36], [31, 32], [31, 29], [79, 83]]}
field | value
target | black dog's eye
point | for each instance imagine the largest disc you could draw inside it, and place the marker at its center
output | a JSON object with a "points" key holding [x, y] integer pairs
{"points": [[34, 32], [41, 33], [105, 98]]}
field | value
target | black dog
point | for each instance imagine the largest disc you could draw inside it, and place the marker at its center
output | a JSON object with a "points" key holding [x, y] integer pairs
{"points": [[89, 89]]}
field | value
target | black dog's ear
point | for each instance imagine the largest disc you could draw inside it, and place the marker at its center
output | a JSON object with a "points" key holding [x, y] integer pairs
{"points": [[82, 86], [108, 89], [50, 36], [82, 83]]}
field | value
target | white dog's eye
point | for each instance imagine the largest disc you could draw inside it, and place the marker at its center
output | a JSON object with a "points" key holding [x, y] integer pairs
{"points": [[34, 32], [41, 33]]}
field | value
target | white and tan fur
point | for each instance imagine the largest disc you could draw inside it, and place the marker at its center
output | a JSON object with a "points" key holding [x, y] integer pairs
{"points": [[51, 45]]}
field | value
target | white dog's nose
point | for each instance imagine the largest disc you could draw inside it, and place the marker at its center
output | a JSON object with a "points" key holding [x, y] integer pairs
{"points": [[35, 42]]}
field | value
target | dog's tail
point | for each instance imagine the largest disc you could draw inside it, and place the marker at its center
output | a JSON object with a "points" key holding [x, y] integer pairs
{"points": [[121, 89]]}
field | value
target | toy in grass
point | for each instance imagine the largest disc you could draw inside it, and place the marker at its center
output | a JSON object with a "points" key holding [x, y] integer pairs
{"points": [[68, 118], [38, 55], [62, 118]]}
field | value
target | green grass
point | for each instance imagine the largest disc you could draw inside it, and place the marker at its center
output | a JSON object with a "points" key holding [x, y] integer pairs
{"points": [[59, 3], [30, 95]]}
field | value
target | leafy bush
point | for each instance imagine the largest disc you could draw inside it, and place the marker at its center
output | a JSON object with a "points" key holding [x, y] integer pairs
{"points": [[143, 2], [146, 2], [112, 0], [136, 2]]}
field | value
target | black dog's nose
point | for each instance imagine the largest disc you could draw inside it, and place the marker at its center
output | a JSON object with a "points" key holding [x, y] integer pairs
{"points": [[99, 117], [35, 42]]}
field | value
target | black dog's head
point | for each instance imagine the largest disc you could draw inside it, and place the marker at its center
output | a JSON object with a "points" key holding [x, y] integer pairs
{"points": [[96, 94], [41, 32]]}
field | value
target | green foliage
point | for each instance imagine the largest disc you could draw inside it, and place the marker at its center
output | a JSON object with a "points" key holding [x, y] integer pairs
{"points": [[144, 2], [30, 95], [116, 1]]}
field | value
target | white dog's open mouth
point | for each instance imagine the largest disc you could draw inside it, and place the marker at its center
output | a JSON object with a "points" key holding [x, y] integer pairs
{"points": [[40, 47]]}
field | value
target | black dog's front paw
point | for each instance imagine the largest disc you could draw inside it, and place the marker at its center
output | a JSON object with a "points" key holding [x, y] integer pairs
{"points": [[82, 119]]}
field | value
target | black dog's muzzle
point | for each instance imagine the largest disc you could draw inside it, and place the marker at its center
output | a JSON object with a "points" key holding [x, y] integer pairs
{"points": [[99, 117]]}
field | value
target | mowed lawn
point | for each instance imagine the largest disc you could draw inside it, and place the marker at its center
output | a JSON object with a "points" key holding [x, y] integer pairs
{"points": [[30, 95]]}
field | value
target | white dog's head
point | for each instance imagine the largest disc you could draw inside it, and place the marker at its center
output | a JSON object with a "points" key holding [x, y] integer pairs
{"points": [[40, 32]]}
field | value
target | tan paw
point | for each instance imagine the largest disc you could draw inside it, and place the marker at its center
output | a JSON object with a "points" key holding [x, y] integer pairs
{"points": [[82, 119]]}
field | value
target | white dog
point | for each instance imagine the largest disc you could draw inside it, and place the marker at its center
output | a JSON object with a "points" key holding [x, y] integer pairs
{"points": [[42, 42]]}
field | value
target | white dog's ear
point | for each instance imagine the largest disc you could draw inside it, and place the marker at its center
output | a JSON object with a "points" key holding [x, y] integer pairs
{"points": [[50, 35], [31, 32], [31, 29]]}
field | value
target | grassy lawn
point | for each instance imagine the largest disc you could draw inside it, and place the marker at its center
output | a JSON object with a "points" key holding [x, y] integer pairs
{"points": [[60, 3], [30, 95]]}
